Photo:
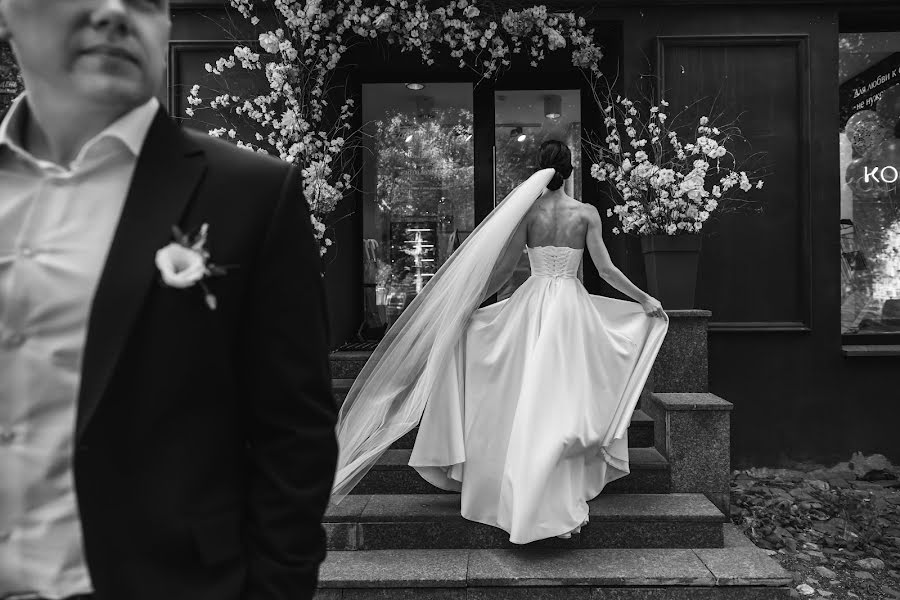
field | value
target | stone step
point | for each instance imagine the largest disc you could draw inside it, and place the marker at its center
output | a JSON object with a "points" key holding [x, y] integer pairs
{"points": [[737, 571], [406, 521], [347, 365], [640, 432], [393, 475], [694, 435]]}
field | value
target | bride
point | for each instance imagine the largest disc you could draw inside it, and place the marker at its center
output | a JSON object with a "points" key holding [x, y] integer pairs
{"points": [[523, 406]]}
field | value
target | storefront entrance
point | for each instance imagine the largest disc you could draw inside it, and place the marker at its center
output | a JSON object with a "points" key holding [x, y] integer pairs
{"points": [[423, 192]]}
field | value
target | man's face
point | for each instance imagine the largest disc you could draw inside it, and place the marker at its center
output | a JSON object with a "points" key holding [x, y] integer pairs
{"points": [[105, 51]]}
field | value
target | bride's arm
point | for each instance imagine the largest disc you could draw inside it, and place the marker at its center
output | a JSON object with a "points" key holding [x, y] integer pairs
{"points": [[609, 271], [506, 266]]}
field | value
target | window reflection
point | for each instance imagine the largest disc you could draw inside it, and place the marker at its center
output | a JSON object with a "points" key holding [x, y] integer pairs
{"points": [[418, 191], [870, 191]]}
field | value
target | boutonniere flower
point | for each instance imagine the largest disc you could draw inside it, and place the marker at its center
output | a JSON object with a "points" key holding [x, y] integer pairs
{"points": [[185, 262]]}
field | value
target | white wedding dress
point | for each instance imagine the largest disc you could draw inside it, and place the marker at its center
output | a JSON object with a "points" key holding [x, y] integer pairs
{"points": [[529, 418], [522, 406]]}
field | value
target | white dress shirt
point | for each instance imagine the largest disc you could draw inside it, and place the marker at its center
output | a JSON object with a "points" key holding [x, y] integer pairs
{"points": [[56, 226]]}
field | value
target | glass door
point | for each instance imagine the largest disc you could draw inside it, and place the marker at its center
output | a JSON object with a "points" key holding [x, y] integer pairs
{"points": [[418, 190], [437, 157], [524, 119]]}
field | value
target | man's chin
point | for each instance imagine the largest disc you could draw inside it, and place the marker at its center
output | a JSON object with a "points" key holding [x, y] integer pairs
{"points": [[106, 90]]}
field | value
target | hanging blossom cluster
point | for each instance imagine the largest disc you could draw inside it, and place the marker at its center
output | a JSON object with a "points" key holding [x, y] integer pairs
{"points": [[664, 185], [294, 119]]}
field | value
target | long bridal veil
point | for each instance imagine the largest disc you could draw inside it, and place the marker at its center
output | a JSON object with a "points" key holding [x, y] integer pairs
{"points": [[388, 397]]}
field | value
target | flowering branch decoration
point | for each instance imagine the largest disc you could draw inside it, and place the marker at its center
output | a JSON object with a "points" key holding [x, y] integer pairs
{"points": [[305, 118], [185, 262], [666, 179]]}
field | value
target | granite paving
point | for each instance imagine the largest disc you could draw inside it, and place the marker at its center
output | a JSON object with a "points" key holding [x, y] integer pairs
{"points": [[598, 567], [395, 568], [739, 571]]}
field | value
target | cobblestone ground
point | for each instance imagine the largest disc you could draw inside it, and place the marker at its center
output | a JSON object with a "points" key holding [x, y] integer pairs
{"points": [[837, 529]]}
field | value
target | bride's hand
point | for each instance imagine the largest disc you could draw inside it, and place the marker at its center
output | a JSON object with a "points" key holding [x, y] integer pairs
{"points": [[652, 307]]}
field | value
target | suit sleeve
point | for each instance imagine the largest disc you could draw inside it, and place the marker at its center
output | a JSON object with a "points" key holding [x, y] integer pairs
{"points": [[291, 411]]}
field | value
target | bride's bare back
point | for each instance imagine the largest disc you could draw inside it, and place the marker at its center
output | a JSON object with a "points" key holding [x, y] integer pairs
{"points": [[556, 219]]}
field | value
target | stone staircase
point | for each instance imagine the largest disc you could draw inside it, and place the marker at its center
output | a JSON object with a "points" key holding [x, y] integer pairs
{"points": [[660, 533]]}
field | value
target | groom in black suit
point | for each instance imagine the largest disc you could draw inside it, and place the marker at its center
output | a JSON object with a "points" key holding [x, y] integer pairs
{"points": [[165, 433]]}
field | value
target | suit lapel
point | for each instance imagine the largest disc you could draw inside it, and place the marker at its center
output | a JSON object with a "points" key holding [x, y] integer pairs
{"points": [[165, 177]]}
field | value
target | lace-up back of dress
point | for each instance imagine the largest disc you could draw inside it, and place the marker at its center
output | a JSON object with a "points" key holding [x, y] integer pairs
{"points": [[554, 261]]}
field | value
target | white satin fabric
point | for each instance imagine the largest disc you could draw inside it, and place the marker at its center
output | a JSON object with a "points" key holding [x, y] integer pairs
{"points": [[388, 396], [529, 419]]}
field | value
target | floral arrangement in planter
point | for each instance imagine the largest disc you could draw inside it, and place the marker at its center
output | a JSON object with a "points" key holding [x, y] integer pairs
{"points": [[305, 118], [666, 179]]}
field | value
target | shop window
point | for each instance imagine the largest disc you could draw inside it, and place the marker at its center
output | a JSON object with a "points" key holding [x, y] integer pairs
{"points": [[869, 77], [418, 190]]}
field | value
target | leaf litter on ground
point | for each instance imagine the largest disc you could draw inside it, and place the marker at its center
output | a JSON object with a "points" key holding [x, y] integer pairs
{"points": [[837, 529]]}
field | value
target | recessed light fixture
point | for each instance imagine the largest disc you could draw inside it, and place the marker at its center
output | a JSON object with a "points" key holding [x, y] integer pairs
{"points": [[415, 86], [516, 132], [553, 106]]}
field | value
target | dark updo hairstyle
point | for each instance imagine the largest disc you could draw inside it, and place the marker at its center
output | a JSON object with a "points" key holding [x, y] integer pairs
{"points": [[556, 155]]}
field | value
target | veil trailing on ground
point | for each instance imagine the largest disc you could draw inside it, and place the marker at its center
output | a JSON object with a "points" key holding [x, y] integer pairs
{"points": [[388, 397]]}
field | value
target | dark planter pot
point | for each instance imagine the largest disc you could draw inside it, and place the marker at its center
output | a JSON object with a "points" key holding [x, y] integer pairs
{"points": [[671, 263]]}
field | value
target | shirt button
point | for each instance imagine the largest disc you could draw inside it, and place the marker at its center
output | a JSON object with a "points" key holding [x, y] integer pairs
{"points": [[14, 341], [27, 252]]}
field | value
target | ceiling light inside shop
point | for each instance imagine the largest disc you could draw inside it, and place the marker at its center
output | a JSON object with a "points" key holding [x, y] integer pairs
{"points": [[415, 86]]}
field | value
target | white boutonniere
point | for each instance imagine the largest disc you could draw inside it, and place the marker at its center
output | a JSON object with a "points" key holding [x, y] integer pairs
{"points": [[185, 262]]}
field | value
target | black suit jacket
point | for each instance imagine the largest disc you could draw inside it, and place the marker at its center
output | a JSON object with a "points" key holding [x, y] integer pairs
{"points": [[205, 445]]}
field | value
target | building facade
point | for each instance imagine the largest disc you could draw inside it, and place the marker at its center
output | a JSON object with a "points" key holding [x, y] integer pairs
{"points": [[804, 337]]}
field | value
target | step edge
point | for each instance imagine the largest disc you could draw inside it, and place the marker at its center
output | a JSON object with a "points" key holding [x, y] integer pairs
{"points": [[575, 581], [705, 513], [646, 458], [702, 583], [690, 401]]}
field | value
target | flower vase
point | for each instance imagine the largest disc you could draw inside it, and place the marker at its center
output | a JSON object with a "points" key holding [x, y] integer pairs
{"points": [[671, 263]]}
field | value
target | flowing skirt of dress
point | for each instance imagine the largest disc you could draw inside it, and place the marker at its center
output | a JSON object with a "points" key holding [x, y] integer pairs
{"points": [[529, 421]]}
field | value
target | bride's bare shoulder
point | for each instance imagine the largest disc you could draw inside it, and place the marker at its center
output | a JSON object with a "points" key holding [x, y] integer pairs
{"points": [[588, 211]]}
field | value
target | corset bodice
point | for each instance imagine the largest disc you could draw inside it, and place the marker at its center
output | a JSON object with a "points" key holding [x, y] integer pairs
{"points": [[554, 261]]}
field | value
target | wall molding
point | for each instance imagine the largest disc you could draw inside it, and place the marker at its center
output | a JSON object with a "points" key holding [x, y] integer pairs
{"points": [[176, 47], [758, 326], [799, 42]]}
